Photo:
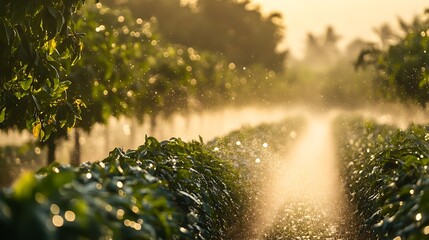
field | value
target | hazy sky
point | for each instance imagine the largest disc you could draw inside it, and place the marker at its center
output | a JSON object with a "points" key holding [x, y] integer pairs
{"points": [[350, 18]]}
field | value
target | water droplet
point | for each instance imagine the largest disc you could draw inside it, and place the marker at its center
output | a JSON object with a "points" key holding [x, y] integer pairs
{"points": [[120, 214], [55, 209], [418, 216], [70, 216], [108, 207], [238, 143], [135, 209], [37, 150], [265, 145], [121, 193], [426, 230], [137, 226], [231, 66], [58, 221], [119, 184], [257, 160], [40, 198], [127, 222]]}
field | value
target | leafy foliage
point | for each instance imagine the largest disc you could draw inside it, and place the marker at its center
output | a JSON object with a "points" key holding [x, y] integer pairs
{"points": [[162, 190], [385, 171], [127, 68], [34, 38], [228, 27], [402, 67]]}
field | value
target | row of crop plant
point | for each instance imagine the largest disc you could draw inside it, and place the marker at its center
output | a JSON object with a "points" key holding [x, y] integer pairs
{"points": [[385, 171], [162, 190]]}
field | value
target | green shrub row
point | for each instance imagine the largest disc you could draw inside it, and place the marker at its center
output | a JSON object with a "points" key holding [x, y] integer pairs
{"points": [[162, 190], [385, 173]]}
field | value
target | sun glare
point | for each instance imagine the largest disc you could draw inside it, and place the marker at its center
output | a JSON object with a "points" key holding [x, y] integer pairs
{"points": [[351, 19]]}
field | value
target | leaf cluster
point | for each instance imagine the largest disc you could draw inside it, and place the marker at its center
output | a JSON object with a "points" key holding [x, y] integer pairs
{"points": [[402, 66], [234, 29], [127, 68], [162, 190], [385, 172], [35, 36]]}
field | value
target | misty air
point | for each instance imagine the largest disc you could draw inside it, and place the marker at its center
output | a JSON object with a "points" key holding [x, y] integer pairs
{"points": [[214, 119]]}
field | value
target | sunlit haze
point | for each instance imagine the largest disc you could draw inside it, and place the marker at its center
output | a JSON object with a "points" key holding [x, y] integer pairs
{"points": [[351, 19]]}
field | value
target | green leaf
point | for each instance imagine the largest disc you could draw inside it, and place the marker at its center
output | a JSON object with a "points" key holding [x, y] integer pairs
{"points": [[2, 115], [76, 53], [23, 188], [26, 83]]}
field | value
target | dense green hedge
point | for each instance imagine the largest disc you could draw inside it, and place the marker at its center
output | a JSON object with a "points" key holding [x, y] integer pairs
{"points": [[385, 171], [162, 190]]}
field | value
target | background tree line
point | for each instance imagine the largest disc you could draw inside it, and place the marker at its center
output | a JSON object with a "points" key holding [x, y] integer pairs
{"points": [[102, 62], [225, 27]]}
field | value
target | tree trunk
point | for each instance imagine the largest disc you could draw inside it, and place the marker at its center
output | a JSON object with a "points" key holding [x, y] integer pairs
{"points": [[51, 149], [75, 158]]}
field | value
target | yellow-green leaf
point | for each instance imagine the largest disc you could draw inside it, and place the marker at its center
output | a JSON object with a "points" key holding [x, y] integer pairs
{"points": [[52, 45], [23, 187], [36, 129], [2, 115]]}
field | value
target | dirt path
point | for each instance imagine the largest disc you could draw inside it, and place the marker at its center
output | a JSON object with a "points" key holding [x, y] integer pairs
{"points": [[304, 198]]}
